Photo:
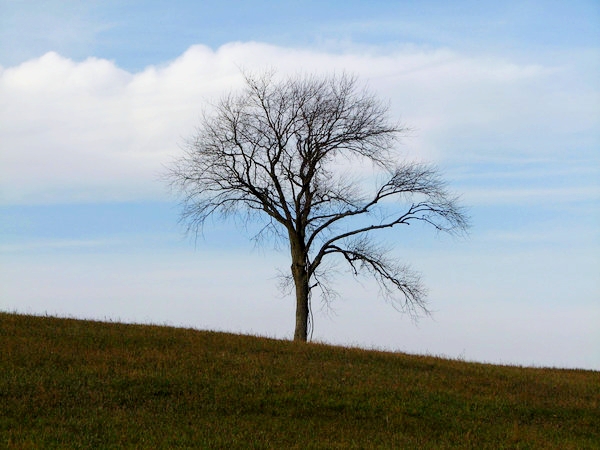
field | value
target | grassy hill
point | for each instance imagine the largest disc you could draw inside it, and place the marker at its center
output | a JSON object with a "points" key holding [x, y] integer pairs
{"points": [[78, 384]]}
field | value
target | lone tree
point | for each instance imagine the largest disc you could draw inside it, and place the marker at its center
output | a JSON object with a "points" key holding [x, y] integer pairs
{"points": [[293, 152]]}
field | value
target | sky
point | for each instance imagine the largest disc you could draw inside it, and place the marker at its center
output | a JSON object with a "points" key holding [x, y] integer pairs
{"points": [[97, 97]]}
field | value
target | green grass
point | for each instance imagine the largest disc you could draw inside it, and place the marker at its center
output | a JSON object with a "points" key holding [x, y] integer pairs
{"points": [[68, 383]]}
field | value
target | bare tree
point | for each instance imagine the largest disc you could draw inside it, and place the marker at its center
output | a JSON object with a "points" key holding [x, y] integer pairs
{"points": [[277, 151]]}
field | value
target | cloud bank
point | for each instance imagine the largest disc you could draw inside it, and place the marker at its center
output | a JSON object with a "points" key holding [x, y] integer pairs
{"points": [[90, 131]]}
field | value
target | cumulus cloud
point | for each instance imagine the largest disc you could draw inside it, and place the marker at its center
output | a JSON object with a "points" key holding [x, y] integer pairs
{"points": [[90, 131]]}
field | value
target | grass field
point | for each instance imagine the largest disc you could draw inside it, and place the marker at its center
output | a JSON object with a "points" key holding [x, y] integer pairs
{"points": [[68, 383]]}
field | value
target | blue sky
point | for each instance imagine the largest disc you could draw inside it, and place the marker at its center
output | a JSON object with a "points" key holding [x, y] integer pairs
{"points": [[96, 97]]}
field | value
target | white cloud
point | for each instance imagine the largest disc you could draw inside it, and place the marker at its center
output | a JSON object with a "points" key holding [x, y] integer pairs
{"points": [[90, 131]]}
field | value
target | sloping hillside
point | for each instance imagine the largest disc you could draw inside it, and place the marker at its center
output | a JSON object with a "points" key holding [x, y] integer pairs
{"points": [[70, 383]]}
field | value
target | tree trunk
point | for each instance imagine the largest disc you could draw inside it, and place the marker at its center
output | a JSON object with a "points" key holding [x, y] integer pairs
{"points": [[302, 308], [301, 282]]}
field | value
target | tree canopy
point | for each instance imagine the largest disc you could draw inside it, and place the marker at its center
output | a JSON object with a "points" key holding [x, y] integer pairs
{"points": [[315, 158]]}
